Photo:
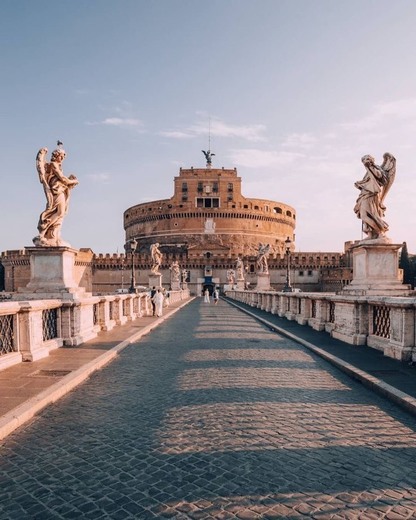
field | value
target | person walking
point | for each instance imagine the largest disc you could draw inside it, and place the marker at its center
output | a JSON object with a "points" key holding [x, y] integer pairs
{"points": [[152, 294], [206, 296], [166, 296], [158, 301], [216, 296]]}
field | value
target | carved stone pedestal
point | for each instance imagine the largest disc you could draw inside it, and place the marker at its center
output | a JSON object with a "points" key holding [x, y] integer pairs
{"points": [[376, 270], [240, 285], [175, 285], [263, 282], [155, 280], [51, 275]]}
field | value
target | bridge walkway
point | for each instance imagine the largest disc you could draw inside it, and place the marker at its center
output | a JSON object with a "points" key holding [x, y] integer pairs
{"points": [[213, 416]]}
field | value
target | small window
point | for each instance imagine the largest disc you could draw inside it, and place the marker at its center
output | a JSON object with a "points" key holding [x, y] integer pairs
{"points": [[256, 207], [309, 273], [184, 187], [200, 187], [215, 187], [277, 210], [300, 273], [184, 198], [288, 213], [199, 203], [230, 186], [245, 206]]}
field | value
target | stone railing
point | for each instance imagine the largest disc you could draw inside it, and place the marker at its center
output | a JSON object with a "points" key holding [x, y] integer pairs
{"points": [[29, 330], [384, 323]]}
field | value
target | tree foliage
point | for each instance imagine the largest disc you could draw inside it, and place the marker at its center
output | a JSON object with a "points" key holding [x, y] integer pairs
{"points": [[408, 266]]}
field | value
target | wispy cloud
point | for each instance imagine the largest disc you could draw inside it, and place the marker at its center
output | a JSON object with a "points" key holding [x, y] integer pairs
{"points": [[218, 128], [177, 134], [256, 158], [100, 178], [402, 109], [299, 141], [119, 122]]}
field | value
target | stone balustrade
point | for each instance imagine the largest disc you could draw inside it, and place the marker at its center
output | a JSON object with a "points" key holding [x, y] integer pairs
{"points": [[29, 330], [384, 323]]}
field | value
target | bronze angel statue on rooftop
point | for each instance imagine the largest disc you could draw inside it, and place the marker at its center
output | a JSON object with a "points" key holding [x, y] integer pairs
{"points": [[208, 157], [373, 188]]}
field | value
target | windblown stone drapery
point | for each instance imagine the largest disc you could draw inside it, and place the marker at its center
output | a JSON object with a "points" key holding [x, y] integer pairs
{"points": [[373, 188], [57, 190]]}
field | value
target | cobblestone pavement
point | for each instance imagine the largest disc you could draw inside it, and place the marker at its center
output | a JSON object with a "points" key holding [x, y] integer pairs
{"points": [[213, 416]]}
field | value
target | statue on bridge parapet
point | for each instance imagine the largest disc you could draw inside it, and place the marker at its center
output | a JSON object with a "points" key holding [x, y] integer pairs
{"points": [[156, 256], [175, 271], [184, 275], [57, 190], [373, 188], [262, 255], [230, 277], [239, 267]]}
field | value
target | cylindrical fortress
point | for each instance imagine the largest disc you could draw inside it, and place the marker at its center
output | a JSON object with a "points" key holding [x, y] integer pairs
{"points": [[208, 213]]}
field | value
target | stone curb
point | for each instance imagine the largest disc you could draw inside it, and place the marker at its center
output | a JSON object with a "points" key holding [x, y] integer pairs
{"points": [[24, 412], [400, 398]]}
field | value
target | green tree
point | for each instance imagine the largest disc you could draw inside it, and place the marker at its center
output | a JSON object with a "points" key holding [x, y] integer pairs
{"points": [[406, 265]]}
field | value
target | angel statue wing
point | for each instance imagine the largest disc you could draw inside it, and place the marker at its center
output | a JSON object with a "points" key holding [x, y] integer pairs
{"points": [[41, 166], [389, 169]]}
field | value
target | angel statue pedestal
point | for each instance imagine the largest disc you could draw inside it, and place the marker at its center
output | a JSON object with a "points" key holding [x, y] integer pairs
{"points": [[52, 274], [375, 259], [263, 282], [376, 270], [155, 280]]}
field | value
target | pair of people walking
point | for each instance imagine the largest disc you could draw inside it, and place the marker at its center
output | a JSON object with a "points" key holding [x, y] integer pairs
{"points": [[157, 299], [215, 296]]}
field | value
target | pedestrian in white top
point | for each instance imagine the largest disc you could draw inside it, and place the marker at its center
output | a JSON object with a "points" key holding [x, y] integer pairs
{"points": [[158, 301], [206, 296]]}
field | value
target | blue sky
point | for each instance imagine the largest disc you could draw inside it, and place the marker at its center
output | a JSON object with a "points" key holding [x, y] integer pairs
{"points": [[297, 92]]}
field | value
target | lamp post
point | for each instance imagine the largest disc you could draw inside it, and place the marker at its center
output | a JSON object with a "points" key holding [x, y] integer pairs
{"points": [[122, 274], [133, 246], [287, 287]]}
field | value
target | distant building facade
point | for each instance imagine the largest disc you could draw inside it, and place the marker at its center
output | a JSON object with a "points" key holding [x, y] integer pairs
{"points": [[208, 212], [205, 226]]}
